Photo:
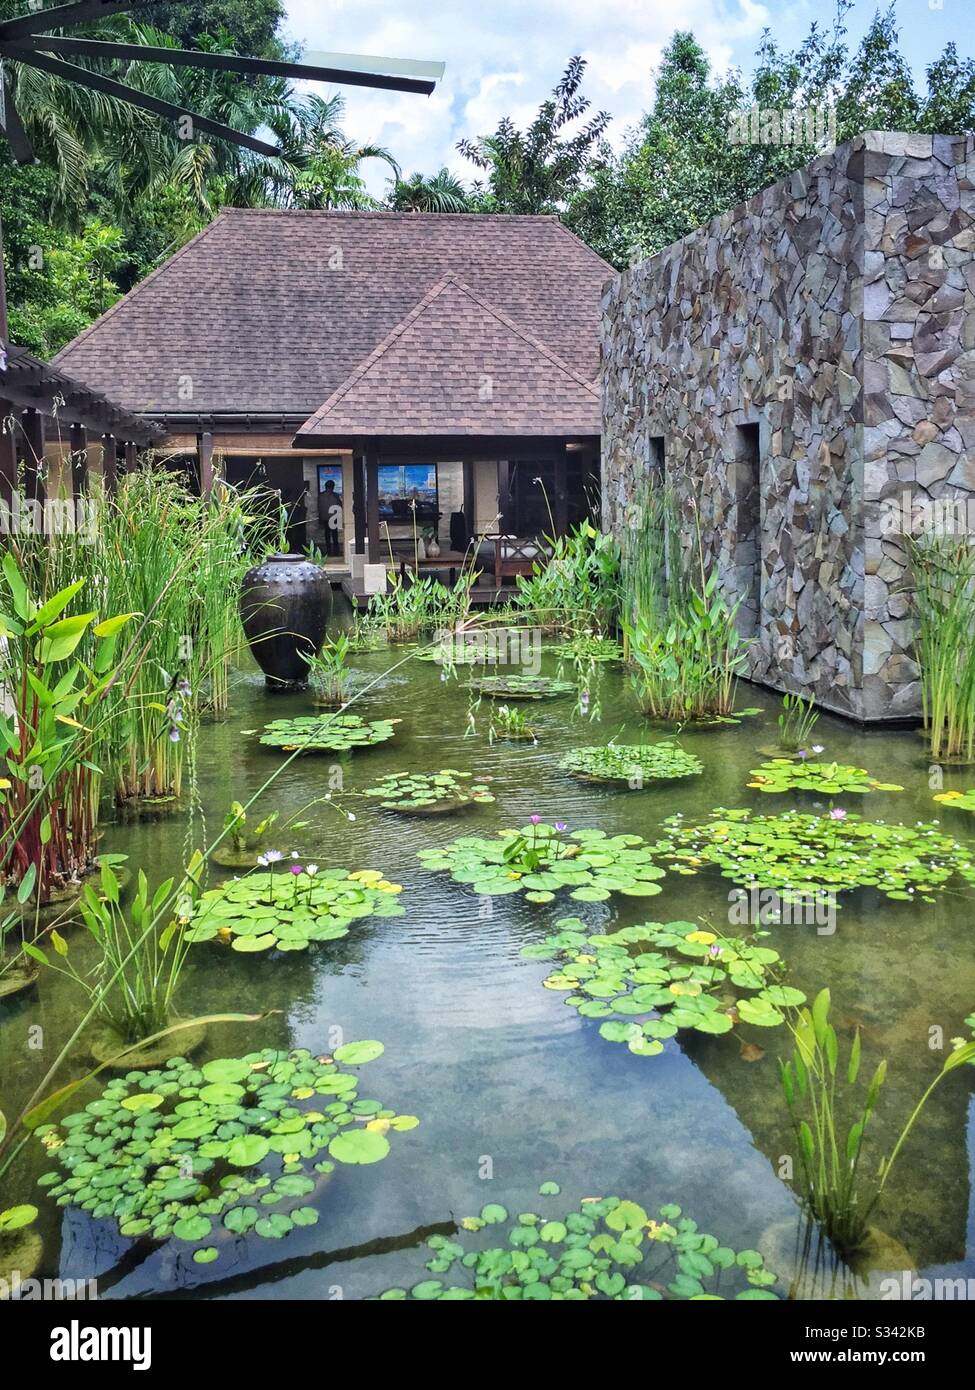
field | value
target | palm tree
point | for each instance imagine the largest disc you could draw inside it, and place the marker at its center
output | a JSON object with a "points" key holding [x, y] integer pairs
{"points": [[326, 162], [444, 192]]}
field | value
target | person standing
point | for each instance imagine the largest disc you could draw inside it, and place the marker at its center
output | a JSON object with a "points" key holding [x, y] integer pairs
{"points": [[330, 516]]}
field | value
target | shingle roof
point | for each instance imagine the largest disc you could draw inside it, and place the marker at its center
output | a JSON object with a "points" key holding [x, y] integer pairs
{"points": [[457, 365], [269, 310]]}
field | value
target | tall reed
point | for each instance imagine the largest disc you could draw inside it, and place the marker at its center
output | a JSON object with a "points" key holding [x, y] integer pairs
{"points": [[943, 568]]}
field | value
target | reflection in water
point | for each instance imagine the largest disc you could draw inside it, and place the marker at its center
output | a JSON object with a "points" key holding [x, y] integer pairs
{"points": [[512, 1088]]}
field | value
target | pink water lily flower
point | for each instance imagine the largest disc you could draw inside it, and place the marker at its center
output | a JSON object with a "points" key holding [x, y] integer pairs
{"points": [[837, 813]]}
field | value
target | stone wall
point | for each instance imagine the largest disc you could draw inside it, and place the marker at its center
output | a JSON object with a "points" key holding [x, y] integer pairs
{"points": [[744, 355]]}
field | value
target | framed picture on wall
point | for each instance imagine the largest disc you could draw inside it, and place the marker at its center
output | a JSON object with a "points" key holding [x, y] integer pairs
{"points": [[405, 483], [330, 472]]}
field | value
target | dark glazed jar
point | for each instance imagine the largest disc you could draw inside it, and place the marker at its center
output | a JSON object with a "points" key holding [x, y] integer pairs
{"points": [[285, 605]]}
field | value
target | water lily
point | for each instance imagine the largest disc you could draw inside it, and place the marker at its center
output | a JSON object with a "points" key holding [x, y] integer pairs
{"points": [[535, 820], [837, 813]]}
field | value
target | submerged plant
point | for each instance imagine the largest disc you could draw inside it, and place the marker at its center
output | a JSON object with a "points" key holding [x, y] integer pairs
{"points": [[509, 723], [607, 1248], [829, 779], [830, 1123], [286, 905], [435, 793], [800, 856], [515, 687], [650, 981], [328, 671], [205, 1155], [326, 733], [633, 764], [540, 860]]}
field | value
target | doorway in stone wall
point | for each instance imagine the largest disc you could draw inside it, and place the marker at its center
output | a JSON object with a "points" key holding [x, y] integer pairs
{"points": [[748, 549]]}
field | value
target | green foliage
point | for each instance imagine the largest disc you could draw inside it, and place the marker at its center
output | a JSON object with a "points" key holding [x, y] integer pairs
{"points": [[287, 909], [606, 1249], [635, 764], [538, 169], [541, 860], [959, 801], [830, 1121], [442, 192], [829, 779], [326, 733], [586, 648], [796, 723], [328, 671], [510, 723], [179, 1152], [517, 687], [797, 855], [435, 793], [944, 604], [575, 592], [650, 981]]}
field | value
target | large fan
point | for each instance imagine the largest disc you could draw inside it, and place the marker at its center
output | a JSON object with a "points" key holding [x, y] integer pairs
{"points": [[24, 40]]}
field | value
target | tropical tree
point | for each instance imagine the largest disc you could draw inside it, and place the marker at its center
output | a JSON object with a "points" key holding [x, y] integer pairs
{"points": [[325, 163], [539, 169], [443, 192]]}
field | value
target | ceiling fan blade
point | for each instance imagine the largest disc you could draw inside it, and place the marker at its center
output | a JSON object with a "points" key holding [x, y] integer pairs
{"points": [[97, 82], [352, 71], [78, 12], [13, 126]]}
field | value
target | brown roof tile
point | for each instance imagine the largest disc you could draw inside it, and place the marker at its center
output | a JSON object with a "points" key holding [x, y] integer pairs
{"points": [[270, 310]]}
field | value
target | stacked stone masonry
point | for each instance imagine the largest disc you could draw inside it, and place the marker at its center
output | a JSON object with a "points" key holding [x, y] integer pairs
{"points": [[832, 319]]}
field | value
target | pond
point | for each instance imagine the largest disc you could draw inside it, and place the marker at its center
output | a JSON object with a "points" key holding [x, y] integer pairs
{"points": [[512, 1088]]}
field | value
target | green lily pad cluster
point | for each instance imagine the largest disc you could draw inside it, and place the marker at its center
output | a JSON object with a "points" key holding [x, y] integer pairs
{"points": [[540, 860], [326, 733], [204, 1154], [285, 910], [607, 1248], [633, 764], [648, 982], [959, 801], [830, 779], [516, 687], [799, 855], [418, 793], [587, 648]]}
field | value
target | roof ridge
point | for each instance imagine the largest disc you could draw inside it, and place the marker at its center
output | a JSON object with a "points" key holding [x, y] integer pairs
{"points": [[130, 295]]}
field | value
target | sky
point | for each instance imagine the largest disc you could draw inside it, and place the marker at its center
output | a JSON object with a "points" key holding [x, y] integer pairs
{"points": [[504, 57]]}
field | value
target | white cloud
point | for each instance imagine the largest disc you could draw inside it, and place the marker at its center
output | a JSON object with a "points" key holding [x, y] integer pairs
{"points": [[504, 58]]}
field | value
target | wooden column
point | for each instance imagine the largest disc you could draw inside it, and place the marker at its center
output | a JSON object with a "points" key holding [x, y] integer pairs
{"points": [[505, 522], [359, 502], [33, 422], [78, 446], [204, 454], [131, 457], [372, 506], [8, 454], [109, 464], [470, 497], [560, 502]]}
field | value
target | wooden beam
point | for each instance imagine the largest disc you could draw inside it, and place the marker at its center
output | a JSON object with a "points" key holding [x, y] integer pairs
{"points": [[204, 454], [372, 505], [78, 447], [560, 502], [109, 464], [8, 454], [33, 423], [359, 502]]}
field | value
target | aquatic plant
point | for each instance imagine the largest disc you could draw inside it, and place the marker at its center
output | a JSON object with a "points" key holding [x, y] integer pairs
{"points": [[285, 905], [326, 733], [796, 723], [328, 671], [134, 982], [830, 1121], [633, 764], [20, 1245], [241, 845], [648, 982], [829, 779], [943, 567], [435, 793], [52, 722], [576, 586], [540, 860], [416, 606], [512, 724], [606, 1248], [800, 855], [585, 647], [958, 801], [516, 687], [202, 1155]]}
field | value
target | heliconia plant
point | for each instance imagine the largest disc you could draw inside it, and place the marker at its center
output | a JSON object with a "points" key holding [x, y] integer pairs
{"points": [[51, 726]]}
